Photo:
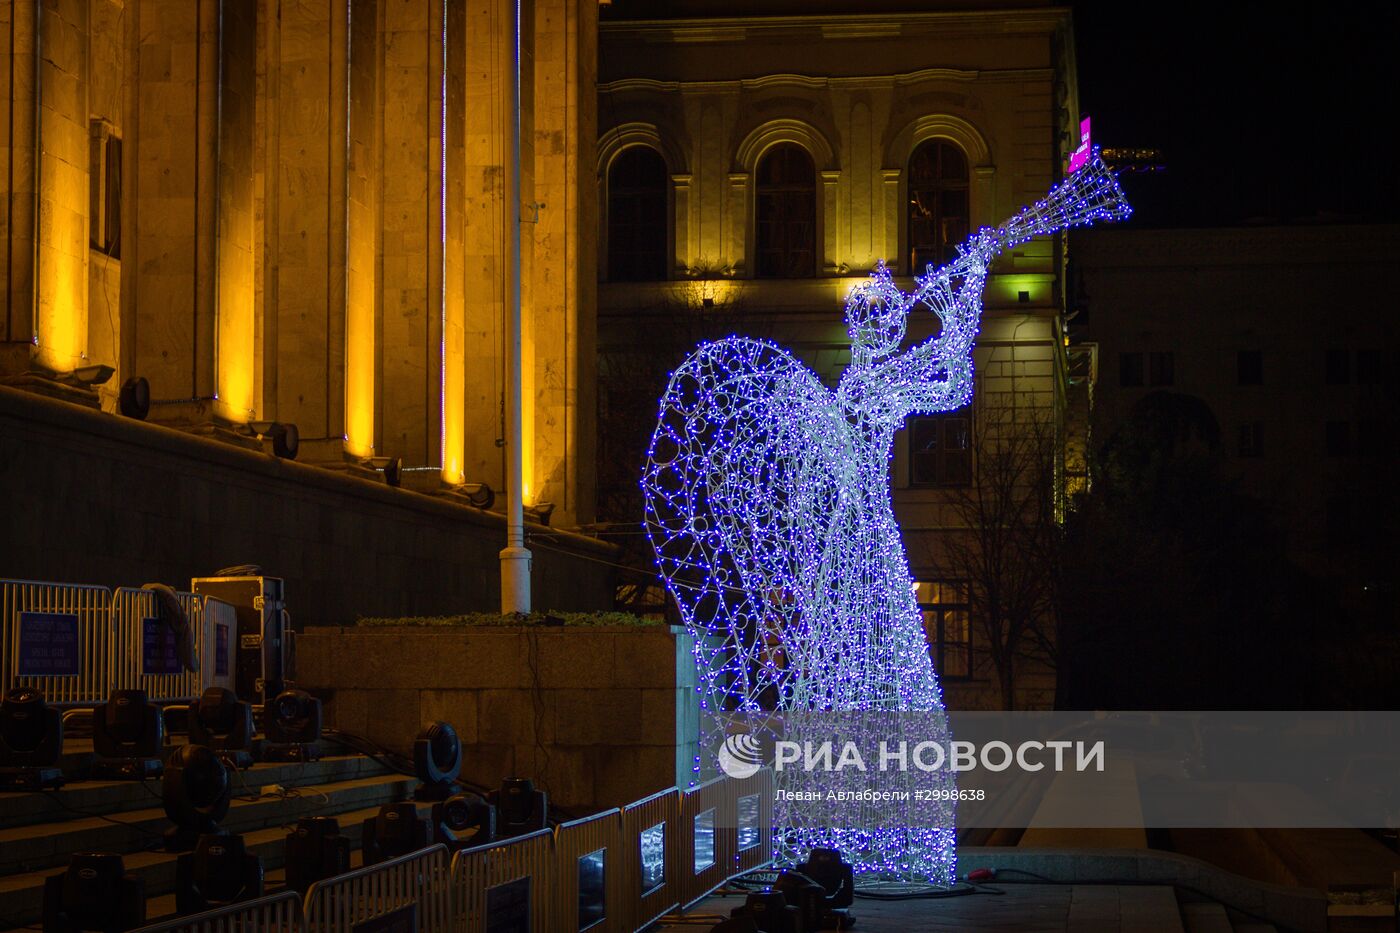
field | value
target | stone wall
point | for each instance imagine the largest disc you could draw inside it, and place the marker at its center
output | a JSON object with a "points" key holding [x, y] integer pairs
{"points": [[599, 717], [87, 497]]}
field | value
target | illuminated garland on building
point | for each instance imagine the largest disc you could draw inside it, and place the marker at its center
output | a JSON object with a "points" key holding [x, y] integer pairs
{"points": [[768, 504]]}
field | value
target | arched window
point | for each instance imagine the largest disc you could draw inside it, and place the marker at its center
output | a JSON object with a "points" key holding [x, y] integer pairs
{"points": [[786, 213], [938, 208], [637, 216]]}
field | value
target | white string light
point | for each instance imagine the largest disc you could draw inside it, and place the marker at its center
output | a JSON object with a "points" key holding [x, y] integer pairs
{"points": [[768, 503]]}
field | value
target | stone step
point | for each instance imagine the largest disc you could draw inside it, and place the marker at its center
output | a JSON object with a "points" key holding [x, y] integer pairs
{"points": [[86, 798], [1205, 917], [22, 896], [48, 845]]}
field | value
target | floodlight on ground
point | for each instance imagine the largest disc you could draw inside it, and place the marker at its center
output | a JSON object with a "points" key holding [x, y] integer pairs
{"points": [[220, 871], [520, 809], [196, 793], [134, 400], [31, 739], [437, 760], [128, 733], [314, 850], [396, 830], [293, 727], [94, 892], [463, 821], [224, 724]]}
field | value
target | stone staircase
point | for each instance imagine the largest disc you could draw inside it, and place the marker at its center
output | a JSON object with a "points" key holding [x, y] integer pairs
{"points": [[39, 831]]}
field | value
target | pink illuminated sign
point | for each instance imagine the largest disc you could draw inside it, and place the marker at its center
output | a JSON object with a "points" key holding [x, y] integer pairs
{"points": [[1080, 156]]}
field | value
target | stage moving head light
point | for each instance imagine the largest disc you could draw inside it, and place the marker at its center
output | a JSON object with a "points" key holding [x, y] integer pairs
{"points": [[292, 722], [463, 821], [220, 871], [837, 878], [223, 723], [128, 733], [31, 739], [437, 760], [94, 893], [196, 793], [314, 850], [398, 829], [520, 809]]}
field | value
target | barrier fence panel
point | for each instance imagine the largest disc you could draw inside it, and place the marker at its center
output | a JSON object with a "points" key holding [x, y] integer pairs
{"points": [[650, 858], [413, 890], [277, 913], [706, 839], [56, 637], [144, 655], [753, 810], [218, 623], [508, 884], [588, 890]]}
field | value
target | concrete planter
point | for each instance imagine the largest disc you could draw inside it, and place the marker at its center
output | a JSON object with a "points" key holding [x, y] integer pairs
{"points": [[599, 716]]}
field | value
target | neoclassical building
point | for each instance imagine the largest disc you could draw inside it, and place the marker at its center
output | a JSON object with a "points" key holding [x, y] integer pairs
{"points": [[762, 158]]}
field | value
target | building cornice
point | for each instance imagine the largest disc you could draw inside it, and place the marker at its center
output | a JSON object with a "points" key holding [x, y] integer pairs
{"points": [[848, 26], [815, 82]]}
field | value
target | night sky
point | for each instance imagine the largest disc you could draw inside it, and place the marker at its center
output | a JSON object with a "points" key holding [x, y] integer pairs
{"points": [[1264, 113]]}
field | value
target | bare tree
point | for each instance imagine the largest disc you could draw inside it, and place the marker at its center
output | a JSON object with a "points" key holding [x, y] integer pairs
{"points": [[633, 374], [1007, 540]]}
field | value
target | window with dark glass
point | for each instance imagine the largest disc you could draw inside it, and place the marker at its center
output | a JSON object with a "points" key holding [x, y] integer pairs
{"points": [[1338, 367], [1130, 369], [1249, 366], [105, 204], [637, 183], [940, 450], [938, 204], [947, 624], [786, 214], [1161, 368]]}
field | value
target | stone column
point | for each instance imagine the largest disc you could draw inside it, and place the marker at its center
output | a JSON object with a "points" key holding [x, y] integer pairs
{"points": [[564, 306], [411, 244], [832, 257], [171, 145], [891, 217], [736, 222], [18, 147], [485, 60], [61, 257], [681, 254]]}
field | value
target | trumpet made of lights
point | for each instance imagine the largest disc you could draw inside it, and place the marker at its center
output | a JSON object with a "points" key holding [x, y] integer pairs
{"points": [[767, 501]]}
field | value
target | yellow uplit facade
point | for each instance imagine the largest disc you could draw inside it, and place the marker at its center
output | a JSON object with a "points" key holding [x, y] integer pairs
{"points": [[308, 223]]}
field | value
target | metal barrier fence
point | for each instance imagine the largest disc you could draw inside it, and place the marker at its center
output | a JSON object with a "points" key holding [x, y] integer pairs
{"points": [[587, 887], [706, 840], [276, 913], [143, 655], [56, 637], [416, 888], [650, 869], [613, 872], [753, 812], [505, 880]]}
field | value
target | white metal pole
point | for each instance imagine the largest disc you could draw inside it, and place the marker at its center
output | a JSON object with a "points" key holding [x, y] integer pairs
{"points": [[515, 559]]}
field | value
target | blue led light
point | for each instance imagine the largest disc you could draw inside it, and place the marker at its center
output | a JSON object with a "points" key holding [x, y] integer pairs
{"points": [[768, 503]]}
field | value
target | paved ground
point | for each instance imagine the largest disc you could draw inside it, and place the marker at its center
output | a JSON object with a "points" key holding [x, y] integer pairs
{"points": [[1023, 908]]}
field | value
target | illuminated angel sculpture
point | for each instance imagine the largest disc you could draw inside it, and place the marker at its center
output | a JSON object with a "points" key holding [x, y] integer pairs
{"points": [[768, 503]]}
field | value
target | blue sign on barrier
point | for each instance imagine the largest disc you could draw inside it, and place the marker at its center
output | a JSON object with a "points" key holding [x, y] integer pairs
{"points": [[48, 644], [220, 650], [508, 907], [158, 654]]}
